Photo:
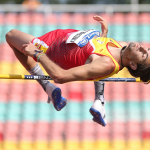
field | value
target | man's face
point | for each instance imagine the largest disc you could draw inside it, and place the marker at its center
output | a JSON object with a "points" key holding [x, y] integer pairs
{"points": [[138, 53]]}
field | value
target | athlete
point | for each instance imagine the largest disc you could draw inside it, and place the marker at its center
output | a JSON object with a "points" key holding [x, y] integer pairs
{"points": [[72, 55]]}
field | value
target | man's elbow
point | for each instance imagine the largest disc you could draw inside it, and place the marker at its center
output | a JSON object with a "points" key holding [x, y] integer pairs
{"points": [[59, 79]]}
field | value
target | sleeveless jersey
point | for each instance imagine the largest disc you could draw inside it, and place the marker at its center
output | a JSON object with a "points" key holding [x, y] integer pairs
{"points": [[100, 45], [69, 55]]}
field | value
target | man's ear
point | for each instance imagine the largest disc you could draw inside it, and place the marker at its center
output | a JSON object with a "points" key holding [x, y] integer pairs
{"points": [[133, 65]]}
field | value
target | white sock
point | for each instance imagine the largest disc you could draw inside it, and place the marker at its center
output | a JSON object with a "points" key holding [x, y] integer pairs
{"points": [[46, 85], [36, 70], [50, 88], [99, 90]]}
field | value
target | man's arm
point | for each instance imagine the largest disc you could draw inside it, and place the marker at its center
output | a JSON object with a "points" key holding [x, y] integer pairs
{"points": [[104, 26], [96, 69], [100, 67]]}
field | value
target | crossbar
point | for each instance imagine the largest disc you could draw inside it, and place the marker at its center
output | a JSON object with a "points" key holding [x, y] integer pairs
{"points": [[43, 77]]}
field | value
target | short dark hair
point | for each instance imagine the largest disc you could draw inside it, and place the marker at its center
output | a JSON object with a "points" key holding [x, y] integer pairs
{"points": [[142, 71]]}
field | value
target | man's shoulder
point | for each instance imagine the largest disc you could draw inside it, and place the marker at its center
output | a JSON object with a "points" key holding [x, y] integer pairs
{"points": [[106, 62], [123, 43]]}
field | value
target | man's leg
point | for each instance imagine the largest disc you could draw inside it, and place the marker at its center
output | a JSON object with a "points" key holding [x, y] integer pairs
{"points": [[98, 108], [16, 39]]}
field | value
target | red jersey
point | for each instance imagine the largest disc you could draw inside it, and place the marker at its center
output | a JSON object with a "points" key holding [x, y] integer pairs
{"points": [[61, 46], [66, 55]]}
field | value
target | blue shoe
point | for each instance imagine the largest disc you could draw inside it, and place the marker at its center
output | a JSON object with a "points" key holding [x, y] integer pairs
{"points": [[58, 101], [54, 96], [98, 112]]}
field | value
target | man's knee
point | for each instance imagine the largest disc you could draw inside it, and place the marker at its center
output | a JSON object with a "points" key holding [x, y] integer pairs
{"points": [[10, 34]]}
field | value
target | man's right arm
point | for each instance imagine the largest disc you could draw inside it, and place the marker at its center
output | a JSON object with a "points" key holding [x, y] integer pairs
{"points": [[98, 68]]}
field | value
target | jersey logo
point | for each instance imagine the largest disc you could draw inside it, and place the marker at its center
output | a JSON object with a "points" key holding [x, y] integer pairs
{"points": [[100, 50], [111, 40], [38, 45], [101, 42]]}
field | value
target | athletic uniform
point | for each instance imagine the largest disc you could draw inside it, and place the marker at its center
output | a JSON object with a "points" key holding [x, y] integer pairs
{"points": [[71, 48]]}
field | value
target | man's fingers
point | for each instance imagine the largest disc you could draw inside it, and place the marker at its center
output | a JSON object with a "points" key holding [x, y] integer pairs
{"points": [[24, 45], [30, 42], [98, 18]]}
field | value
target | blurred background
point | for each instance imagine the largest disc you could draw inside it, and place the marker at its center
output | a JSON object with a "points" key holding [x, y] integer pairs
{"points": [[27, 122]]}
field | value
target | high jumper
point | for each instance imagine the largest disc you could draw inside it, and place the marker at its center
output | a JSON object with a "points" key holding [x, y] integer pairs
{"points": [[73, 55]]}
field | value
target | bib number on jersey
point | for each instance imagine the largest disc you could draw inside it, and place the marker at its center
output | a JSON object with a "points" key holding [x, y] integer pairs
{"points": [[81, 38]]}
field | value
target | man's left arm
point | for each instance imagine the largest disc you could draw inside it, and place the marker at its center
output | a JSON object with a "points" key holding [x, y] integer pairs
{"points": [[104, 26], [84, 72]]}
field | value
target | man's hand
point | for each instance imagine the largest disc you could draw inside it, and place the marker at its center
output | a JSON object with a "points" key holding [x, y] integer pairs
{"points": [[103, 23], [29, 49]]}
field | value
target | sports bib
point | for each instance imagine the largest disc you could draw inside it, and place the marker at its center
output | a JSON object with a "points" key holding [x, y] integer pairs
{"points": [[81, 38]]}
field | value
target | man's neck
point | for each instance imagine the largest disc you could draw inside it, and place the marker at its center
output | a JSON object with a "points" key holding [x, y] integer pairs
{"points": [[116, 54], [121, 55]]}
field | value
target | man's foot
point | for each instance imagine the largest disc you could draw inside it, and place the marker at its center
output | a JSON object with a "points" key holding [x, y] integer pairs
{"points": [[58, 101], [98, 112]]}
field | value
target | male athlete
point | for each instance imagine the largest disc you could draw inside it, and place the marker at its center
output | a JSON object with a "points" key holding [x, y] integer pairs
{"points": [[72, 55]]}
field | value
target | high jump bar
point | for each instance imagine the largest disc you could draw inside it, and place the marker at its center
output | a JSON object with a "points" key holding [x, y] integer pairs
{"points": [[43, 77]]}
